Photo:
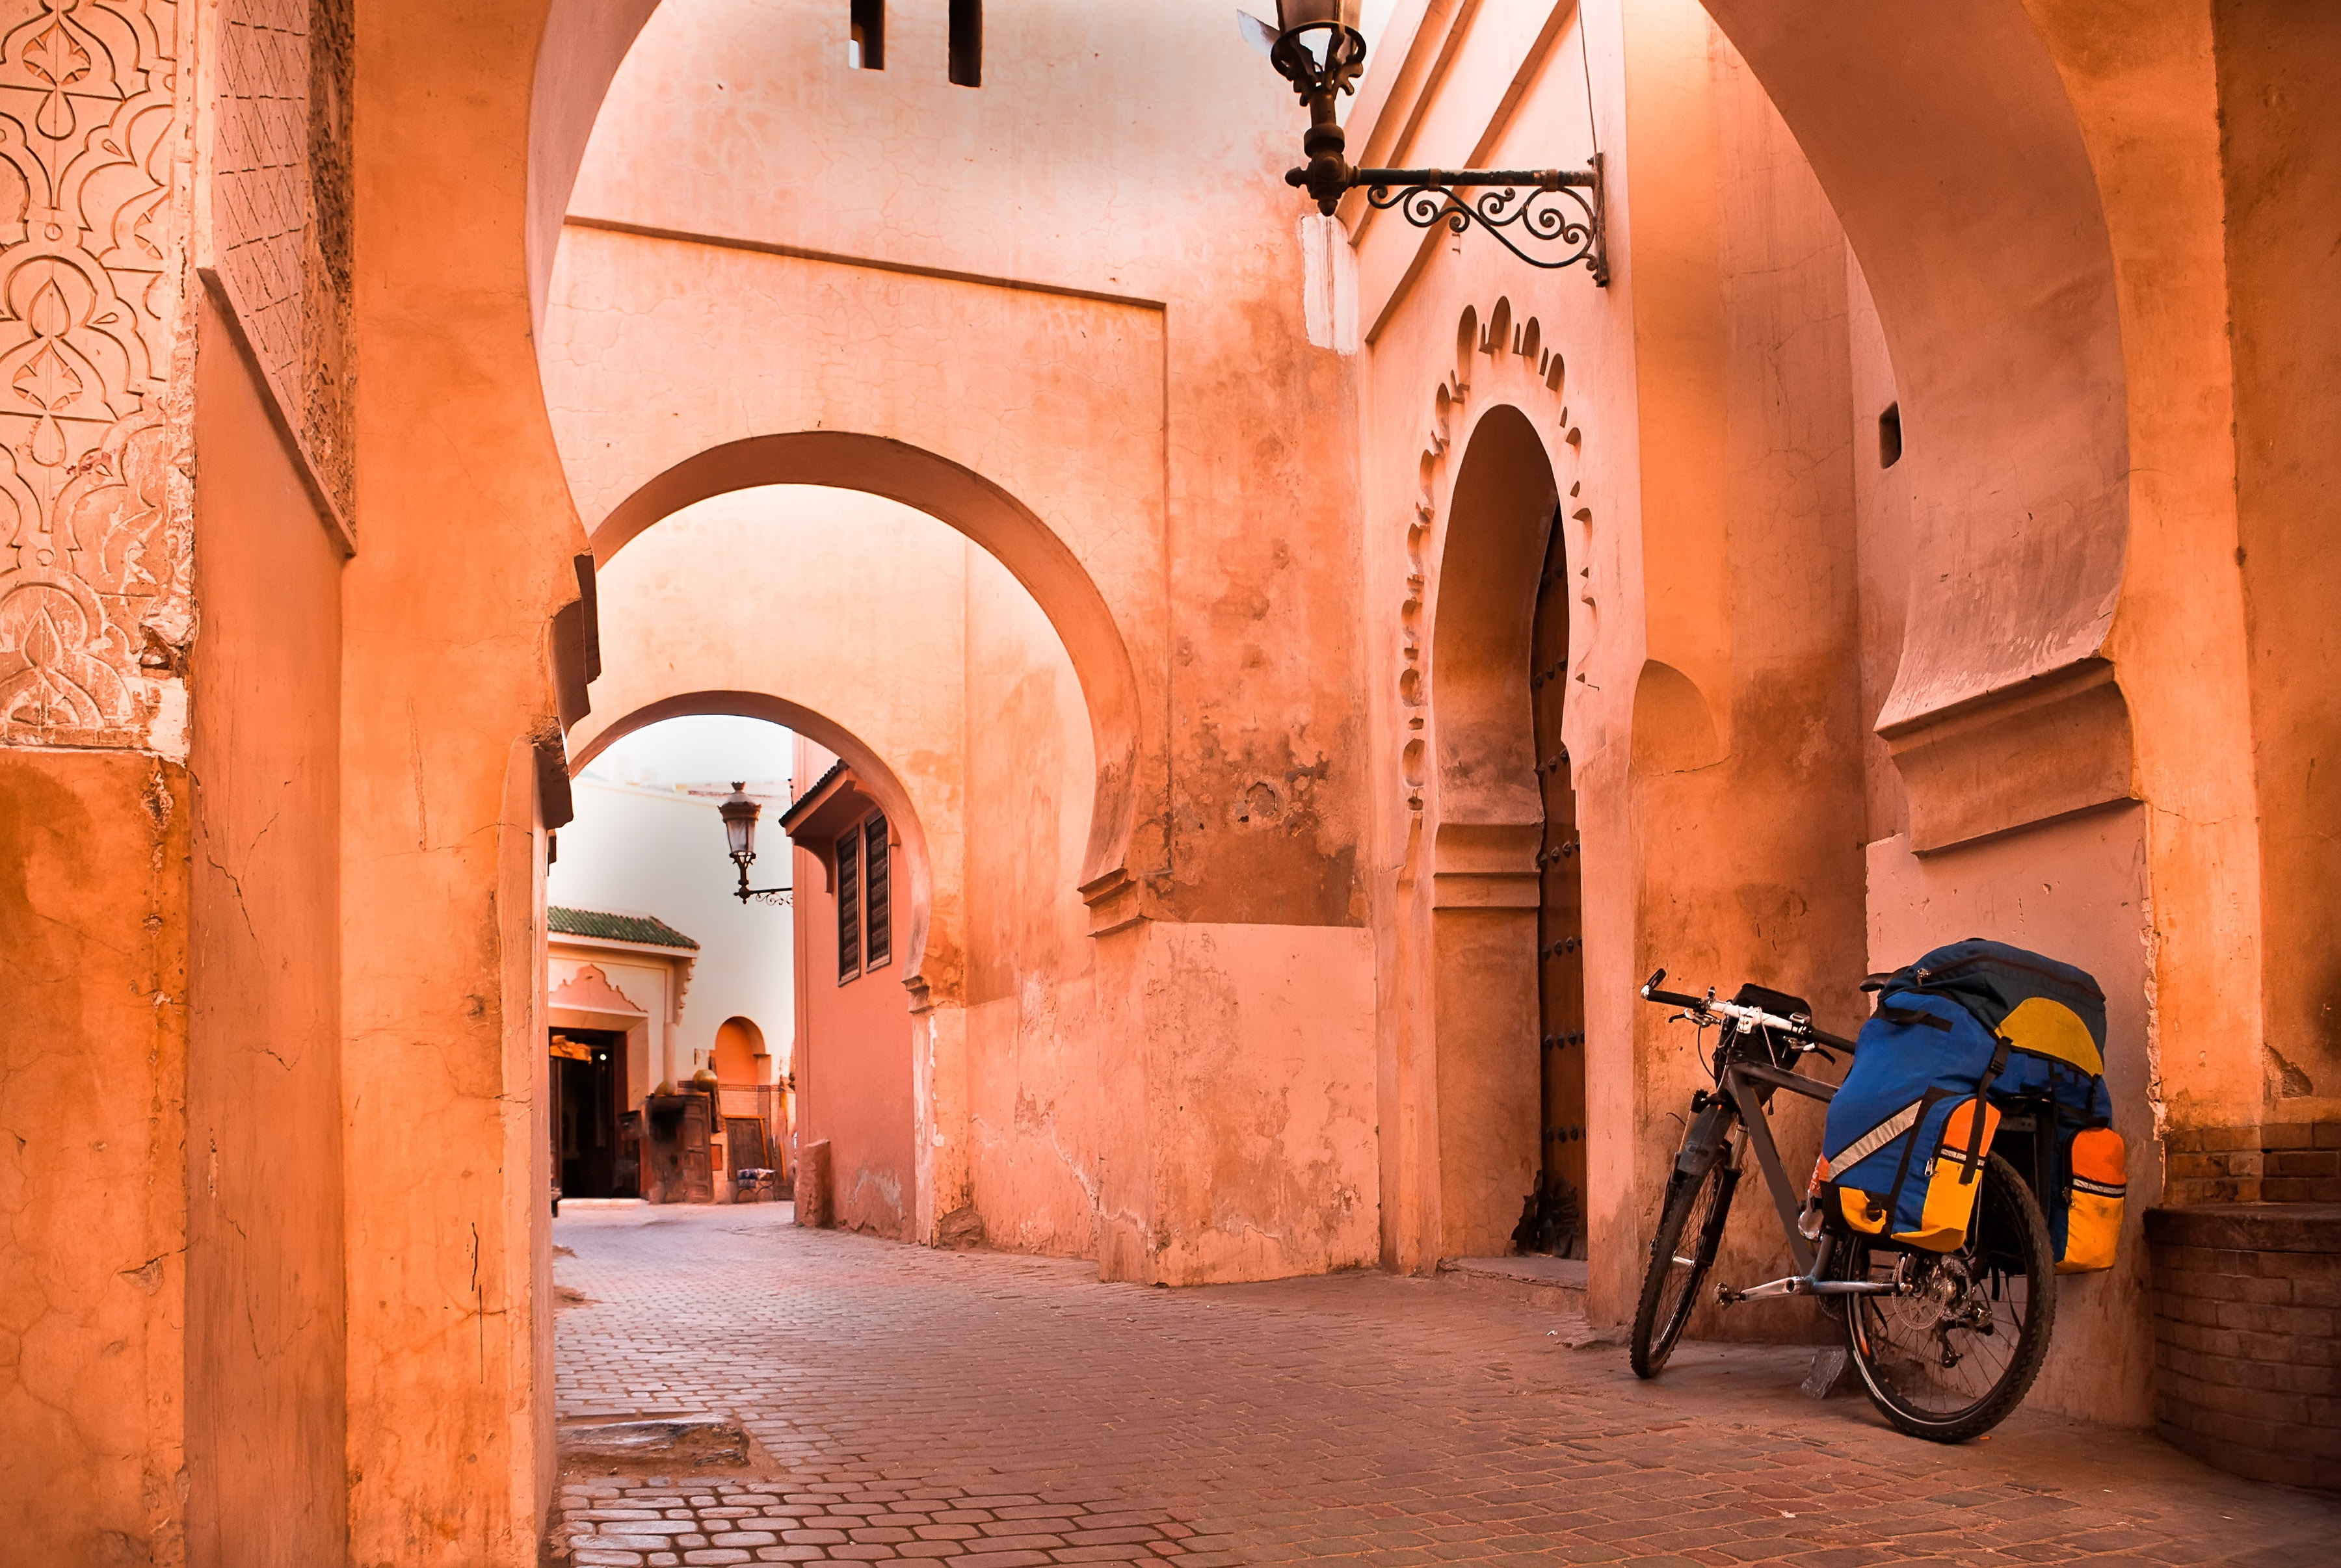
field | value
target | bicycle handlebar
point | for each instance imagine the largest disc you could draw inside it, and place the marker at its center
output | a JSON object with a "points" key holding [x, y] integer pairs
{"points": [[1710, 1006], [1650, 993]]}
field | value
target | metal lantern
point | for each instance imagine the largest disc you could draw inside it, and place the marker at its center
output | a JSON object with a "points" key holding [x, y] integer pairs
{"points": [[740, 815]]}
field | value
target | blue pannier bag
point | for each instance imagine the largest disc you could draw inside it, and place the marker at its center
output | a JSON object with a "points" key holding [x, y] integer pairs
{"points": [[1999, 1023], [1909, 1127]]}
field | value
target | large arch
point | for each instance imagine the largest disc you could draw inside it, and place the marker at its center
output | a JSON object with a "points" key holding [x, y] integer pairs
{"points": [[577, 57], [1952, 155], [987, 515], [883, 784]]}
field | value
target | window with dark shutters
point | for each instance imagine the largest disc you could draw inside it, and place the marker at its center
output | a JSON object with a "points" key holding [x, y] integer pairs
{"points": [[967, 42], [866, 35], [849, 905], [877, 883]]}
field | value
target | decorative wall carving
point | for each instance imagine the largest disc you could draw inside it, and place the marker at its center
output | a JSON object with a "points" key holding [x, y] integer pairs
{"points": [[1501, 340], [94, 608], [591, 991], [281, 197]]}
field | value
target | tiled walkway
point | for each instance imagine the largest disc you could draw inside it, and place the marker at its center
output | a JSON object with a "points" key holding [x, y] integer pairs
{"points": [[997, 1411]]}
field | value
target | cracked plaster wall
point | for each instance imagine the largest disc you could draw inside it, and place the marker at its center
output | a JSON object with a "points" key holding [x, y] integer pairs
{"points": [[2282, 192], [265, 1320], [94, 1273], [96, 615]]}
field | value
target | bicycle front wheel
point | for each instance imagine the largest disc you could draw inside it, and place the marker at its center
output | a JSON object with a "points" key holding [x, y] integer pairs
{"points": [[1690, 1231], [1953, 1351]]}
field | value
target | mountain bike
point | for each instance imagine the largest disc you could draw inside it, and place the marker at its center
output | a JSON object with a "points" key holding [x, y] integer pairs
{"points": [[1945, 1343]]}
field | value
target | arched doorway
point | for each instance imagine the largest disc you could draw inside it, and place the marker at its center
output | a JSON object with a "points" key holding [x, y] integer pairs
{"points": [[751, 1098], [1507, 940], [852, 1085], [878, 776]]}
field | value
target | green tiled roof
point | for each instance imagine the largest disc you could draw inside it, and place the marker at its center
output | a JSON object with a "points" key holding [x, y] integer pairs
{"points": [[645, 928]]}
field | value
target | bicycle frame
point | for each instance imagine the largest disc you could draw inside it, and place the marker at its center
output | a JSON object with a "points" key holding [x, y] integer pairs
{"points": [[1741, 1082]]}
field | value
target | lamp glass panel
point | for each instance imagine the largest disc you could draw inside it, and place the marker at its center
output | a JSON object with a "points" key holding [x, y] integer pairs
{"points": [[1291, 14]]}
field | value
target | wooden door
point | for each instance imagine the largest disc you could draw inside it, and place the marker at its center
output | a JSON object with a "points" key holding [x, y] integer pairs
{"points": [[1561, 921]]}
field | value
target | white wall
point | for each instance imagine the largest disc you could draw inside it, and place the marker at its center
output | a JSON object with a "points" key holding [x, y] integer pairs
{"points": [[647, 840]]}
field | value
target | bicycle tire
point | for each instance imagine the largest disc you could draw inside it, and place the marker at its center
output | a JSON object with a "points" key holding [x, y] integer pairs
{"points": [[1670, 1281], [2008, 1237]]}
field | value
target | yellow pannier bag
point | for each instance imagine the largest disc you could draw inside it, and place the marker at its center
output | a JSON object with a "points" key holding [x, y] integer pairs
{"points": [[1862, 1210], [1953, 1175], [2100, 1180], [1953, 1179]]}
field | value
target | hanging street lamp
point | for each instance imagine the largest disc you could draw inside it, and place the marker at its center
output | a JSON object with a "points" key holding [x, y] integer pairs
{"points": [[740, 814], [1317, 47]]}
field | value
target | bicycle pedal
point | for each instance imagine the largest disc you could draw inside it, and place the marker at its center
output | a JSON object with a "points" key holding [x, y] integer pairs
{"points": [[1727, 1296]]}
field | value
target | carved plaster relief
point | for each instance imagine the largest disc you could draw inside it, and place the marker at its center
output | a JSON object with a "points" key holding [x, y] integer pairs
{"points": [[94, 606], [1501, 340], [280, 215], [591, 991]]}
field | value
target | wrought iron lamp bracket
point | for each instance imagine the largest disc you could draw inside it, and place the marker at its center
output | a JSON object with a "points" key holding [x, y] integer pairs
{"points": [[1562, 209], [1556, 210], [747, 895]]}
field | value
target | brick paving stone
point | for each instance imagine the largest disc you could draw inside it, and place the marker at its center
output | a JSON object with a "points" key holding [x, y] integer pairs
{"points": [[991, 1410]]}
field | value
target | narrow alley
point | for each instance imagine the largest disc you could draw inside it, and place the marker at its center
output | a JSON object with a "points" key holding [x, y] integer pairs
{"points": [[999, 1411]]}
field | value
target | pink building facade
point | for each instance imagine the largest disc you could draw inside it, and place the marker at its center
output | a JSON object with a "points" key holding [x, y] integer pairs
{"points": [[854, 1031]]}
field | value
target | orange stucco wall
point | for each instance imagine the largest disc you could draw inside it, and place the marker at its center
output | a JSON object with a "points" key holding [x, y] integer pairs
{"points": [[94, 1282], [266, 1371], [2282, 191]]}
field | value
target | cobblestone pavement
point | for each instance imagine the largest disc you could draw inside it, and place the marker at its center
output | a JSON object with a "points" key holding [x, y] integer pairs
{"points": [[999, 1411]]}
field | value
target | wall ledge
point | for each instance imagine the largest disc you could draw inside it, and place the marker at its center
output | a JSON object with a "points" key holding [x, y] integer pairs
{"points": [[2050, 747]]}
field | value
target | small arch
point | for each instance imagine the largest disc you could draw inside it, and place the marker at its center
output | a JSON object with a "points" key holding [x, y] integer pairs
{"points": [[1498, 336], [877, 778], [740, 1051], [988, 515]]}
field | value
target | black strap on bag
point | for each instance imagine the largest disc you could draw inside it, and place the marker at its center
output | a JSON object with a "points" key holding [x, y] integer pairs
{"points": [[1911, 1148], [1975, 1121], [1910, 1017]]}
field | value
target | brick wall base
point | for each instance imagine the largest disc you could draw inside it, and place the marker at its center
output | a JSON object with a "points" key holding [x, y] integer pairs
{"points": [[2280, 1162], [2248, 1337]]}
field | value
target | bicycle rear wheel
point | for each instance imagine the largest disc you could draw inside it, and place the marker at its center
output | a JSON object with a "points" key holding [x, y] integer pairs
{"points": [[1955, 1351], [1690, 1230]]}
